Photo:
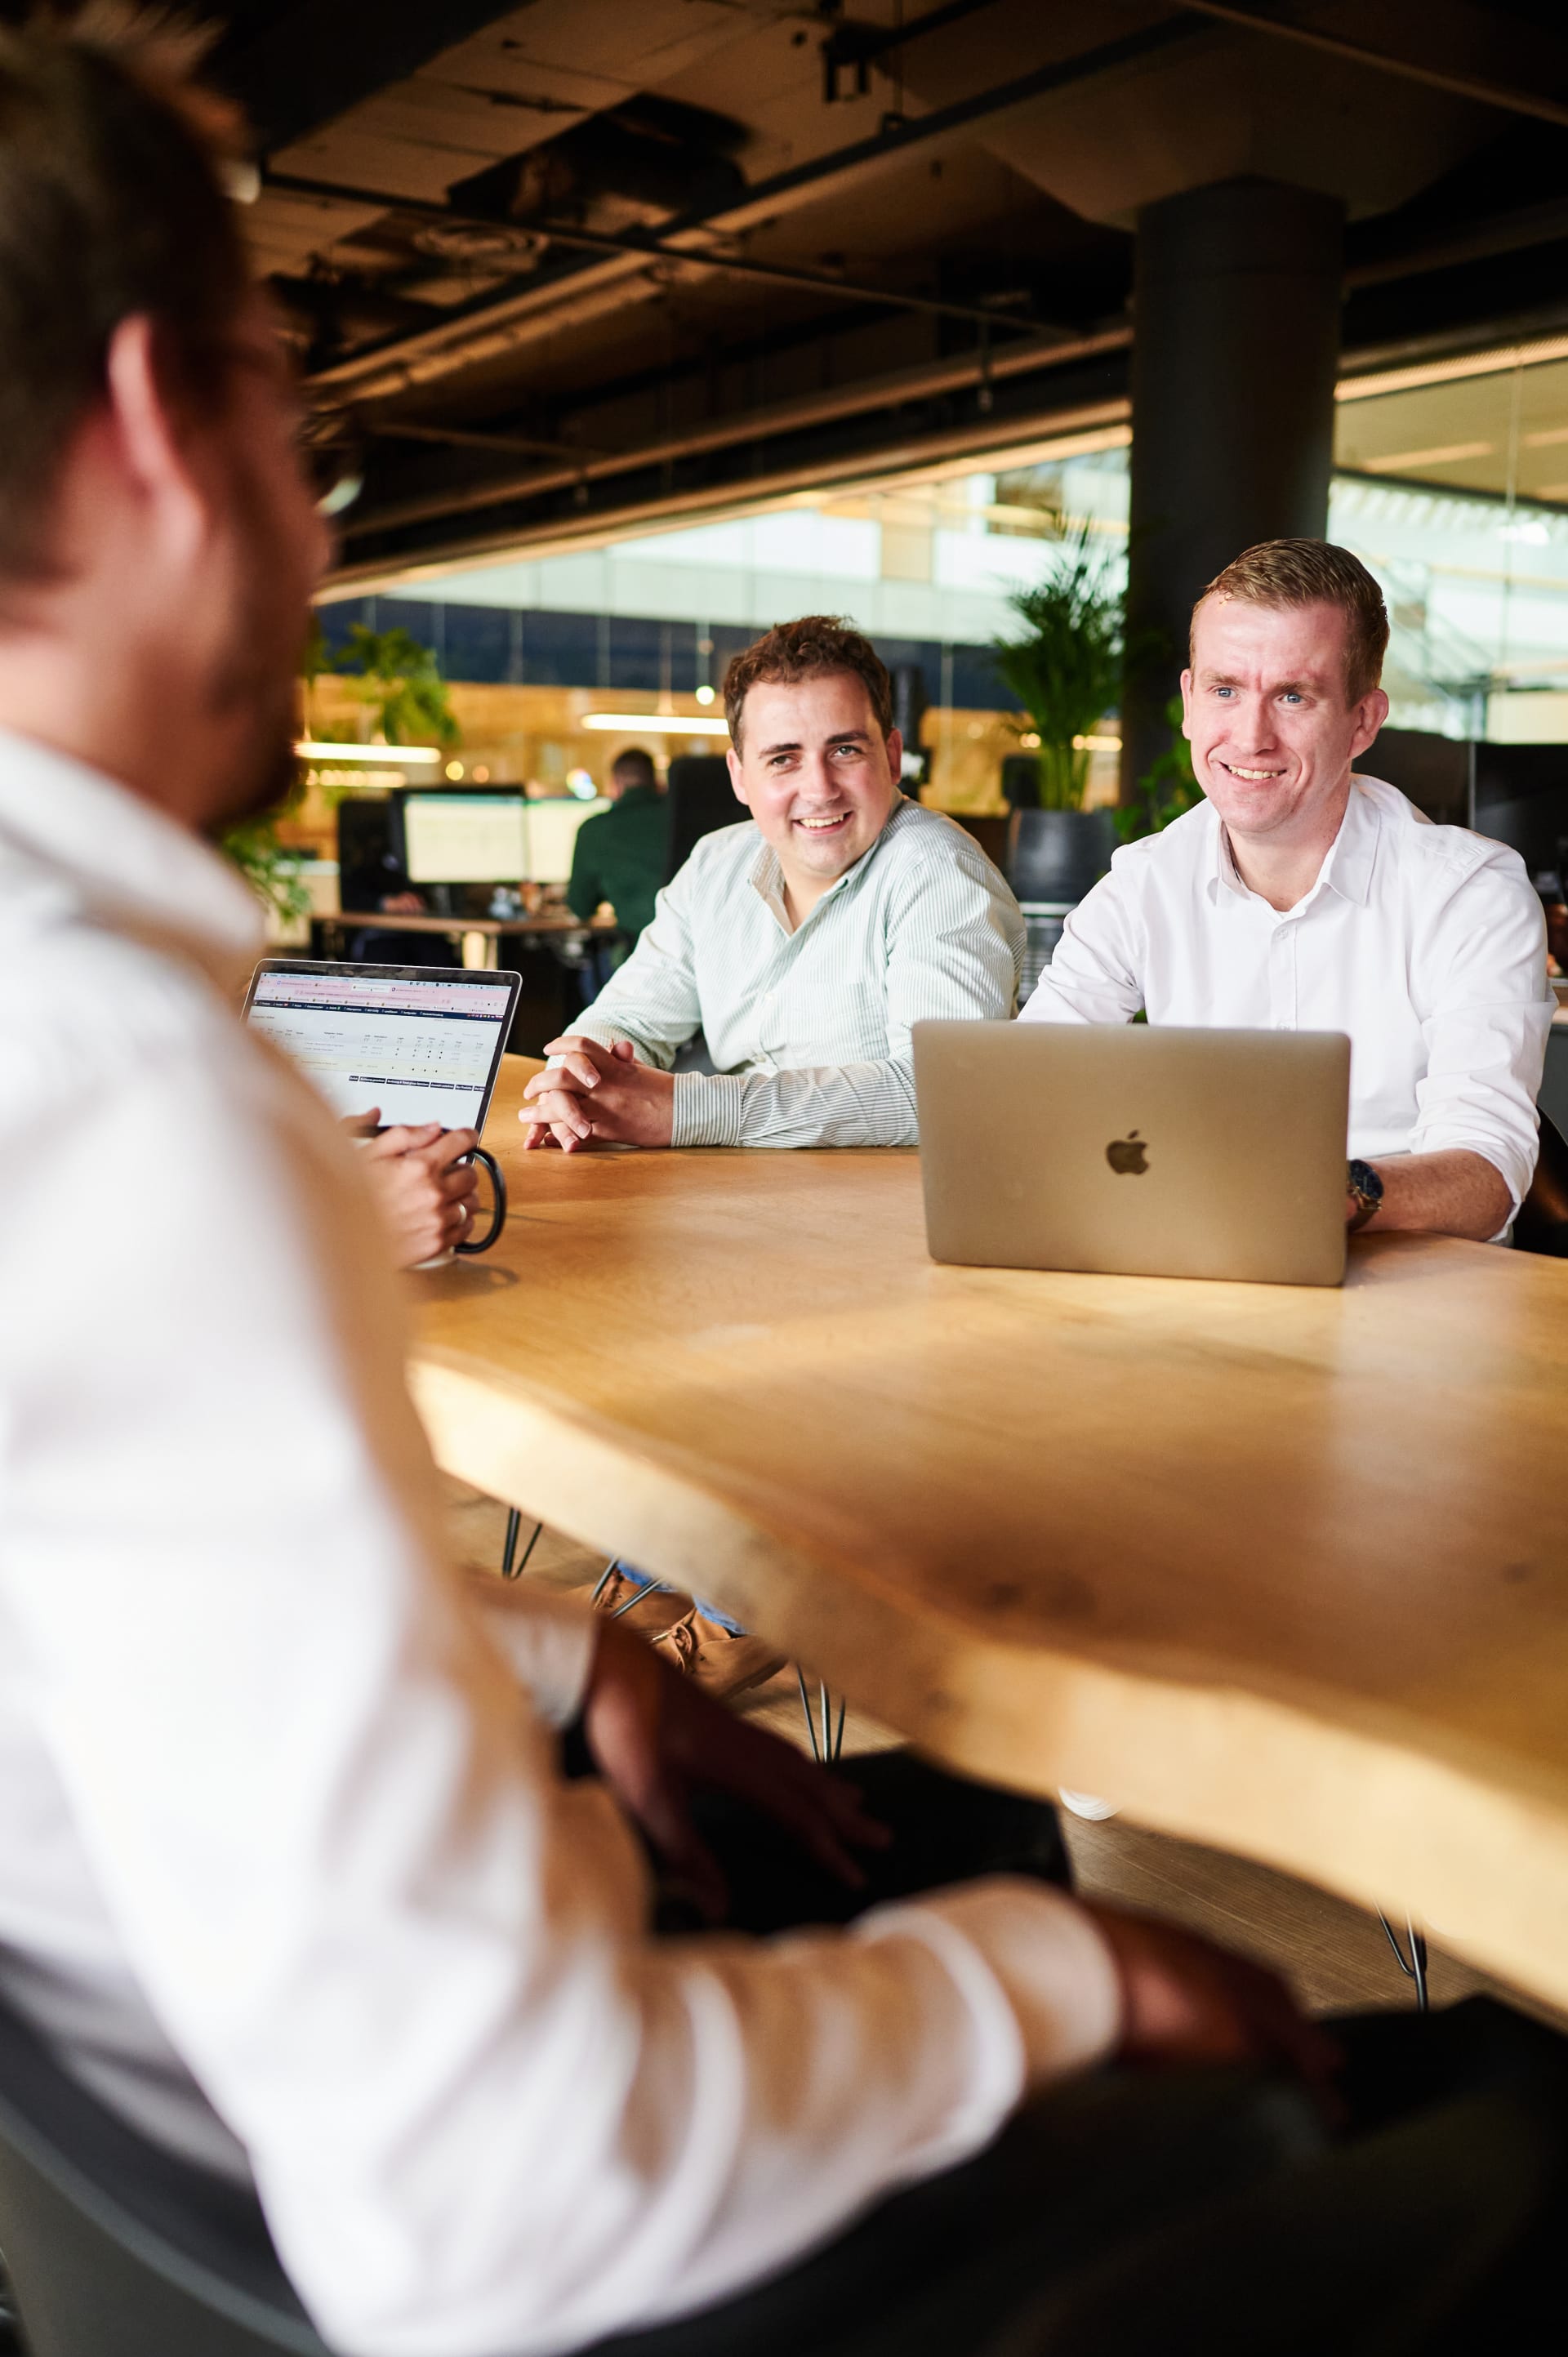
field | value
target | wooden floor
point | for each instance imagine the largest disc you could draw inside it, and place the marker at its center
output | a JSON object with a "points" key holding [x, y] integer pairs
{"points": [[1335, 1955]]}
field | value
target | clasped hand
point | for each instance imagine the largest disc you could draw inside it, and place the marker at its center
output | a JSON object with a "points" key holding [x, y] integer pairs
{"points": [[598, 1095]]}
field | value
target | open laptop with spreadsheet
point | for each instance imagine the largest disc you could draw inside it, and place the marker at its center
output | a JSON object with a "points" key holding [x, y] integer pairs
{"points": [[424, 1043], [1135, 1149]]}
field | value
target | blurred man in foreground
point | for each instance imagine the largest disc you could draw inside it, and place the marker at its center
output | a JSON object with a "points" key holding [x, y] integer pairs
{"points": [[287, 1876]]}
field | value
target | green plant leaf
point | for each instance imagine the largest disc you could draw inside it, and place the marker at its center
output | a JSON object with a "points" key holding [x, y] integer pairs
{"points": [[1065, 671], [1167, 788], [403, 683]]}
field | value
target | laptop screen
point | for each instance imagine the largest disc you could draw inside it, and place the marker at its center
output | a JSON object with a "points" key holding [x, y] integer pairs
{"points": [[421, 1048]]}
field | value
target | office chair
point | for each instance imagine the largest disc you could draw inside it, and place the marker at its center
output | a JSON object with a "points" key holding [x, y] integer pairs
{"points": [[701, 800], [1542, 1223], [115, 2248]]}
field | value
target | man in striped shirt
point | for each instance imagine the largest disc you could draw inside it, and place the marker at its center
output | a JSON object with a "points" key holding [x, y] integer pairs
{"points": [[803, 945]]}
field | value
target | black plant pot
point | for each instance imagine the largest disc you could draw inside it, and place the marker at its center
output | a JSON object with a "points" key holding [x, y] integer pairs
{"points": [[1055, 856]]}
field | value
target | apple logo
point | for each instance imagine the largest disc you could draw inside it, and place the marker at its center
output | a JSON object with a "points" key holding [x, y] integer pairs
{"points": [[1125, 1156]]}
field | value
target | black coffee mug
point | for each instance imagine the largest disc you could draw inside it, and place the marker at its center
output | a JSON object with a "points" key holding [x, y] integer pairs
{"points": [[498, 1212]]}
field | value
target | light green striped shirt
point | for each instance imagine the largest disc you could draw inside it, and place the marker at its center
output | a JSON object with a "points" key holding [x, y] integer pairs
{"points": [[810, 1029]]}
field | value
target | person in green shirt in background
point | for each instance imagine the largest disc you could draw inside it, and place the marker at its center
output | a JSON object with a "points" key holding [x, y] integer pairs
{"points": [[619, 856]]}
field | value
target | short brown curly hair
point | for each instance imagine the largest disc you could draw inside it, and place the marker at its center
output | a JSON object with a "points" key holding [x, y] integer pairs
{"points": [[816, 644], [1284, 572]]}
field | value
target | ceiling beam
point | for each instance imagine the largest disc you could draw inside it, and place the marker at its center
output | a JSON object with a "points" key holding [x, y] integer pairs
{"points": [[748, 493], [656, 249], [396, 363], [1444, 250], [319, 58], [929, 380], [1335, 45]]}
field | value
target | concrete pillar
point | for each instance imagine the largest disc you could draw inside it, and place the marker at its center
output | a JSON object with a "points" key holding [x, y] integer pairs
{"points": [[1236, 343]]}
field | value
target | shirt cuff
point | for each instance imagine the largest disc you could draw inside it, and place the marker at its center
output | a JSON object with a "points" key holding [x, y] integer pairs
{"points": [[1036, 1971], [707, 1109], [549, 1639], [1514, 1167]]}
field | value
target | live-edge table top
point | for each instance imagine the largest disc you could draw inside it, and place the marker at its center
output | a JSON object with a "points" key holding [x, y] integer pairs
{"points": [[1285, 1569]]}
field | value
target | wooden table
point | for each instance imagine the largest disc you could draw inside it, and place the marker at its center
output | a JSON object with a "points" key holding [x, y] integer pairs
{"points": [[1286, 1570]]}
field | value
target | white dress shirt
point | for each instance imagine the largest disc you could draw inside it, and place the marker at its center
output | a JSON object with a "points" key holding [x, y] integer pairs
{"points": [[810, 1025], [1426, 944], [285, 1870]]}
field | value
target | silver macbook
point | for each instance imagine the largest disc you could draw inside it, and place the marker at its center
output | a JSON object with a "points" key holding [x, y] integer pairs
{"points": [[1135, 1149]]}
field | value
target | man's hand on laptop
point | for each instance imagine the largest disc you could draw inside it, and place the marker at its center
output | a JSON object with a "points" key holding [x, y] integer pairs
{"points": [[657, 1739], [589, 1096], [424, 1191]]}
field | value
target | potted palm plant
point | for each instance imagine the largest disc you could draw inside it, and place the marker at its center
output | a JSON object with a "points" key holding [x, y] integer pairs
{"points": [[1064, 670]]}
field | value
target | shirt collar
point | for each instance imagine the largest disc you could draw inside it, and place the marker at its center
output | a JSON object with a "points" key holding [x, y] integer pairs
{"points": [[766, 876], [1346, 868], [131, 867], [630, 796]]}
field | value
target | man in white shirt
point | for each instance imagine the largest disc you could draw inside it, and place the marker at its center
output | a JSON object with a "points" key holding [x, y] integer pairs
{"points": [[1298, 895], [804, 944], [287, 1876]]}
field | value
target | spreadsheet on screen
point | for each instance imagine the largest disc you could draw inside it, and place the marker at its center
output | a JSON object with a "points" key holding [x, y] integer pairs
{"points": [[421, 1050]]}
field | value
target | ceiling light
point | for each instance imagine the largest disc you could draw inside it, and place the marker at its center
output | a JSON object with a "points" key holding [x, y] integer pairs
{"points": [[657, 724], [404, 757], [1497, 362], [1443, 454], [705, 694]]}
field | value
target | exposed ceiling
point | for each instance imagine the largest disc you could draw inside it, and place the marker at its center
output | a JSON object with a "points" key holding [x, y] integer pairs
{"points": [[586, 260]]}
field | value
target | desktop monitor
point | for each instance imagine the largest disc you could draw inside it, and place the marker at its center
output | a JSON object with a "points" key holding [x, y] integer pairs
{"points": [[454, 838], [553, 835]]}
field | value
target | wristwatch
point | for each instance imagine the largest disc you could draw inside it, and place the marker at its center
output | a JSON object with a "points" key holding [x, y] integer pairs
{"points": [[1363, 1182]]}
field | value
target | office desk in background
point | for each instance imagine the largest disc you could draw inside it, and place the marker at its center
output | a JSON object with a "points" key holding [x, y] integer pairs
{"points": [[480, 937], [1283, 1570]]}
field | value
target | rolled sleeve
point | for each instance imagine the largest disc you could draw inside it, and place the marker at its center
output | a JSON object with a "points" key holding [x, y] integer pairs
{"points": [[1486, 1012]]}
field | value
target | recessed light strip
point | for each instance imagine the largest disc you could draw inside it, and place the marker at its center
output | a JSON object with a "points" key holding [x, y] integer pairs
{"points": [[658, 724], [397, 757]]}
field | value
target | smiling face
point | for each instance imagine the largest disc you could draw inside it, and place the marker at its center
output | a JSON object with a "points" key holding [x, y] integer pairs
{"points": [[818, 776], [1265, 711]]}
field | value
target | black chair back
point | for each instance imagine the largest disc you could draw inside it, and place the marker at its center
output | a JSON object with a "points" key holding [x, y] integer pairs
{"points": [[702, 799], [1542, 1223], [115, 2248]]}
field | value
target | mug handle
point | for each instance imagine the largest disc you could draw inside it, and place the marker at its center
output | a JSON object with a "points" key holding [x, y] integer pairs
{"points": [[497, 1210]]}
